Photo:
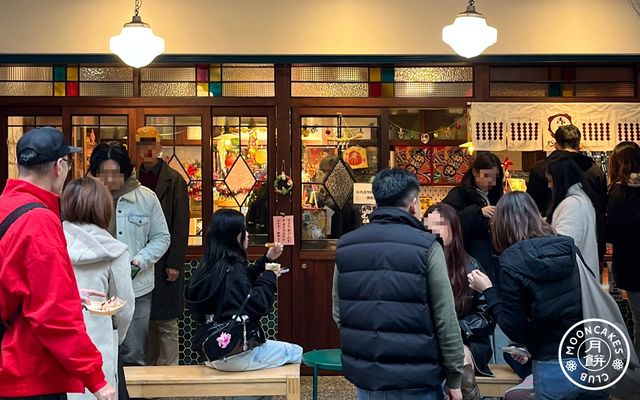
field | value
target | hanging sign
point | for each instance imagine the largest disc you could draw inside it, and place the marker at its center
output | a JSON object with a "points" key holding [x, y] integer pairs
{"points": [[283, 230], [363, 194]]}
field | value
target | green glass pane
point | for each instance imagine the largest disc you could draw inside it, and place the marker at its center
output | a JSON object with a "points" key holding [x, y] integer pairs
{"points": [[555, 89], [59, 74], [215, 89], [387, 74]]}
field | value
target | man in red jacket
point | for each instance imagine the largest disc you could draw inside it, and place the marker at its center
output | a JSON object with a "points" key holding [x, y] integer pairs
{"points": [[45, 350]]}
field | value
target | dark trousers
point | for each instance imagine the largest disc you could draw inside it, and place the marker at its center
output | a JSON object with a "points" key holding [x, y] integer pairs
{"points": [[59, 396], [123, 393]]}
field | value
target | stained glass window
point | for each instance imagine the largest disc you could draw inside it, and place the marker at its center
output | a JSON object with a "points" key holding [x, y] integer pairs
{"points": [[337, 152], [240, 181], [181, 137]]}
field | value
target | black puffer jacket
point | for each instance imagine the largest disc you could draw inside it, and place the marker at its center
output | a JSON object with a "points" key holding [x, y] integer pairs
{"points": [[387, 330], [477, 326], [475, 227], [623, 222], [202, 293], [539, 295]]}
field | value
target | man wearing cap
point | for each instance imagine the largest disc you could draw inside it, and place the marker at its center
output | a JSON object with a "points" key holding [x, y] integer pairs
{"points": [[167, 296], [45, 350]]}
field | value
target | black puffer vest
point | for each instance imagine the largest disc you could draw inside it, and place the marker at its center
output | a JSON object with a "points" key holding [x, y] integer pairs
{"points": [[387, 331]]}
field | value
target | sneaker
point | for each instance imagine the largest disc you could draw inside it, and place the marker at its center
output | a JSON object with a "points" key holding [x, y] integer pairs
{"points": [[523, 391]]}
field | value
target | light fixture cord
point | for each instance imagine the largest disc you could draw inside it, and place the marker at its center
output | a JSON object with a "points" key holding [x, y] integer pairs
{"points": [[137, 6]]}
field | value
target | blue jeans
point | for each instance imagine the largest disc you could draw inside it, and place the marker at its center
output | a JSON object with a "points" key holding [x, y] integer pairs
{"points": [[551, 384], [271, 354], [424, 394]]}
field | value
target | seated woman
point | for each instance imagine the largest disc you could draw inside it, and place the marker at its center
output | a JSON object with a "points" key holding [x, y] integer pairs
{"points": [[101, 265], [539, 297], [471, 308], [225, 279]]}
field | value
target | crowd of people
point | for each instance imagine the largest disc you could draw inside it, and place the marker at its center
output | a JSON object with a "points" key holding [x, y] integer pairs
{"points": [[417, 296]]}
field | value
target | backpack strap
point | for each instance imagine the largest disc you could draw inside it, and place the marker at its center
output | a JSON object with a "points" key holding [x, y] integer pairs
{"points": [[4, 227], [15, 214]]}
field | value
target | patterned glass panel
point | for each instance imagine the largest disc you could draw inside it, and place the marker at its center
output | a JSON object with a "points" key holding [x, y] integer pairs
{"points": [[106, 89], [437, 89], [18, 73], [330, 74], [522, 74], [113, 120], [600, 74], [106, 74], [240, 180], [186, 74], [434, 74], [519, 90], [304, 89], [172, 89], [248, 89], [247, 74], [16, 127], [605, 89], [26, 88]]}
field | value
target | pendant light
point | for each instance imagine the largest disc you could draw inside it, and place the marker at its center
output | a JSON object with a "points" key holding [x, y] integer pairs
{"points": [[469, 35], [136, 44]]}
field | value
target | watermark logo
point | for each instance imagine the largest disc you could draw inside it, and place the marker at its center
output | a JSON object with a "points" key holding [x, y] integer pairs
{"points": [[594, 354]]}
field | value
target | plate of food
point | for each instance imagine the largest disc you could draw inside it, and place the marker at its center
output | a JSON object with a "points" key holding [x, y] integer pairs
{"points": [[108, 307]]}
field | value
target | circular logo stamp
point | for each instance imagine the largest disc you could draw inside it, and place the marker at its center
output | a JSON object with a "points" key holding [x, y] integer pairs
{"points": [[594, 354]]}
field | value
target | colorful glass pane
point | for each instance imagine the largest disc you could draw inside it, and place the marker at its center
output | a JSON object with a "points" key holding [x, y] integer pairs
{"points": [[72, 73], [202, 73], [202, 89], [59, 89], [72, 89], [215, 89], [59, 74]]}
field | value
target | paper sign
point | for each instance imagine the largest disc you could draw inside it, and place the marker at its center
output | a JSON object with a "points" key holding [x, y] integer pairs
{"points": [[283, 230], [362, 194]]}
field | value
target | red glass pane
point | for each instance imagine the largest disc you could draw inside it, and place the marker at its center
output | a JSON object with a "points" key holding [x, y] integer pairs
{"points": [[375, 89], [202, 73], [72, 89]]}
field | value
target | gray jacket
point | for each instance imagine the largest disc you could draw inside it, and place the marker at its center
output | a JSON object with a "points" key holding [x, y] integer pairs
{"points": [[101, 263]]}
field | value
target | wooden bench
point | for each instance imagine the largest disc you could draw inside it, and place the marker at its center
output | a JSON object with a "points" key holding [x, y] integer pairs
{"points": [[504, 379], [200, 381]]}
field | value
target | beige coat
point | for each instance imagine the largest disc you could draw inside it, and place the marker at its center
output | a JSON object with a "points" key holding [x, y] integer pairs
{"points": [[102, 263]]}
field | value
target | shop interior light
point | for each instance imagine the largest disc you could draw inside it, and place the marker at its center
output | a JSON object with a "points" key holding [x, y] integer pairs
{"points": [[469, 35], [136, 44]]}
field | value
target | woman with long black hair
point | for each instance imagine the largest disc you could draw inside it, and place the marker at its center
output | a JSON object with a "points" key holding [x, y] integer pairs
{"points": [[224, 281], [623, 220], [471, 307], [572, 212], [475, 199]]}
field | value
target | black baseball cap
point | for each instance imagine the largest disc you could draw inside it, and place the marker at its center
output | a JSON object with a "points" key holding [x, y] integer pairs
{"points": [[49, 144]]}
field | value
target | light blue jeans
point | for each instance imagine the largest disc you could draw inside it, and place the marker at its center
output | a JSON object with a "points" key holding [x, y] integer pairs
{"points": [[271, 354], [426, 394], [551, 384]]}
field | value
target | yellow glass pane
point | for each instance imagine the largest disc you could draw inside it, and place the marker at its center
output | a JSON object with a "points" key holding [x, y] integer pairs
{"points": [[387, 90], [72, 73], [568, 90], [203, 89], [215, 74], [59, 89], [374, 75]]}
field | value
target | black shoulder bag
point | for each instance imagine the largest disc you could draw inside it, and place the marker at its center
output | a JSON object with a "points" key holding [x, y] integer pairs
{"points": [[4, 227], [235, 336]]}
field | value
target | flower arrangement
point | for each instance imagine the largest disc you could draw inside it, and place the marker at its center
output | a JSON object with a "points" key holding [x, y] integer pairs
{"points": [[194, 172]]}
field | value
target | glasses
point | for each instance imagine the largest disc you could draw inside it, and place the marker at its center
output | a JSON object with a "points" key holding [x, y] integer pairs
{"points": [[69, 161]]}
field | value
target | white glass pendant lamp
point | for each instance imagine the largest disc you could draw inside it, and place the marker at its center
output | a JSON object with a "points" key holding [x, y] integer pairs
{"points": [[136, 44], [469, 35]]}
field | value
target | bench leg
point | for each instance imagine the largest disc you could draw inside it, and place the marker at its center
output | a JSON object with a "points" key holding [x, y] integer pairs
{"points": [[293, 388], [315, 383]]}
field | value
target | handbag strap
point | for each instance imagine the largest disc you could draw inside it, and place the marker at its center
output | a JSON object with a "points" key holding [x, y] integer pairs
{"points": [[584, 263], [216, 316]]}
